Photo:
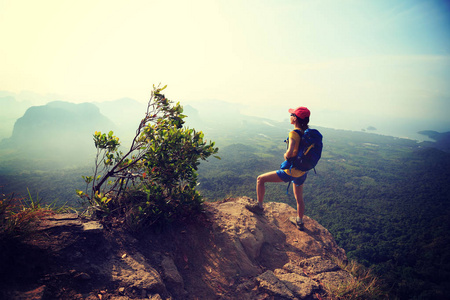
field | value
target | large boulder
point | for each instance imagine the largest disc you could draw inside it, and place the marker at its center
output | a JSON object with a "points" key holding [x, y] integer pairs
{"points": [[227, 253]]}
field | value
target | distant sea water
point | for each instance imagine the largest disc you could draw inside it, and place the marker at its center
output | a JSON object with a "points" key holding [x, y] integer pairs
{"points": [[411, 130], [411, 133], [399, 127], [403, 134]]}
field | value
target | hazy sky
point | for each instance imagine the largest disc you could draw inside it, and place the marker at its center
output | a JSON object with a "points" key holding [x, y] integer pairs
{"points": [[367, 58]]}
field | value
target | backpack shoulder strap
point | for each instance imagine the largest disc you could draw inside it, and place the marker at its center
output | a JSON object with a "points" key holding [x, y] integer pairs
{"points": [[299, 133]]}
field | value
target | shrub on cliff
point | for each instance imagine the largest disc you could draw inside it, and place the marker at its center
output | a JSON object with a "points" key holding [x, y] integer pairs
{"points": [[155, 180]]}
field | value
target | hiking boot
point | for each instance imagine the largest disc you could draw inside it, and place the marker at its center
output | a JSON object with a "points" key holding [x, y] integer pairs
{"points": [[255, 208], [300, 226]]}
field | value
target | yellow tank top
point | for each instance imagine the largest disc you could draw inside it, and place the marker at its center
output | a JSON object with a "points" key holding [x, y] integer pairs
{"points": [[296, 137]]}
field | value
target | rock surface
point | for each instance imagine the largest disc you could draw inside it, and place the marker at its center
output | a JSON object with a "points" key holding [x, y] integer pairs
{"points": [[229, 253]]}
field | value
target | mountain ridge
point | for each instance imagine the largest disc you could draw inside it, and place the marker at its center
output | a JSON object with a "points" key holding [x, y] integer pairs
{"points": [[13, 106], [59, 130]]}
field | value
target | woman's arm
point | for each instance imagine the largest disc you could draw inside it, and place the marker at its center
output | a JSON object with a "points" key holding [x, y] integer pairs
{"points": [[290, 151]]}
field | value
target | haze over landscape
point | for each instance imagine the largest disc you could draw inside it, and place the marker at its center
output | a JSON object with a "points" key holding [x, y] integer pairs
{"points": [[355, 64], [371, 72]]}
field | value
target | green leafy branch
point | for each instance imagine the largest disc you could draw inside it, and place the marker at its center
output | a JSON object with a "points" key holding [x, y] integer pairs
{"points": [[161, 162]]}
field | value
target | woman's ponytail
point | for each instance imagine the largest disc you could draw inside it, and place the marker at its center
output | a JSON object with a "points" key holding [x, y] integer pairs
{"points": [[303, 123]]}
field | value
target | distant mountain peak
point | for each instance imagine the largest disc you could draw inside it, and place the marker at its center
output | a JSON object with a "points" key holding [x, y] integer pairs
{"points": [[58, 128]]}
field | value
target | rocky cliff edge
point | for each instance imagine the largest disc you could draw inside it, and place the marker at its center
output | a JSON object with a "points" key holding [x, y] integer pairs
{"points": [[228, 253]]}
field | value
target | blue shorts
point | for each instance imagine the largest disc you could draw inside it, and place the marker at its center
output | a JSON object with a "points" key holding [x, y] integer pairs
{"points": [[286, 178]]}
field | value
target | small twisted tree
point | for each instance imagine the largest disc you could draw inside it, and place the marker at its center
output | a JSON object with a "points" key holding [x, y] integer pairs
{"points": [[155, 179]]}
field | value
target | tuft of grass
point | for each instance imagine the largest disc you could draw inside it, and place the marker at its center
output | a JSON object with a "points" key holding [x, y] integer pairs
{"points": [[18, 216], [362, 285]]}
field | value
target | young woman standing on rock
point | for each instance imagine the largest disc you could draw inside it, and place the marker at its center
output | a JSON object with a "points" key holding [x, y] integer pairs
{"points": [[300, 119]]}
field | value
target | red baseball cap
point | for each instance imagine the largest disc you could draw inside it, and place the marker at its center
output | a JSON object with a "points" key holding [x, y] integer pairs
{"points": [[301, 112]]}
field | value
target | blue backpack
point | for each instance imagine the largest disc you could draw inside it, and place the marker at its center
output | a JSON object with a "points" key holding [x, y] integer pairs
{"points": [[309, 152]]}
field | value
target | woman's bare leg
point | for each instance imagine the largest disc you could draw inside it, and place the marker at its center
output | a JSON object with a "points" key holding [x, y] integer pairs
{"points": [[262, 179], [298, 193]]}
